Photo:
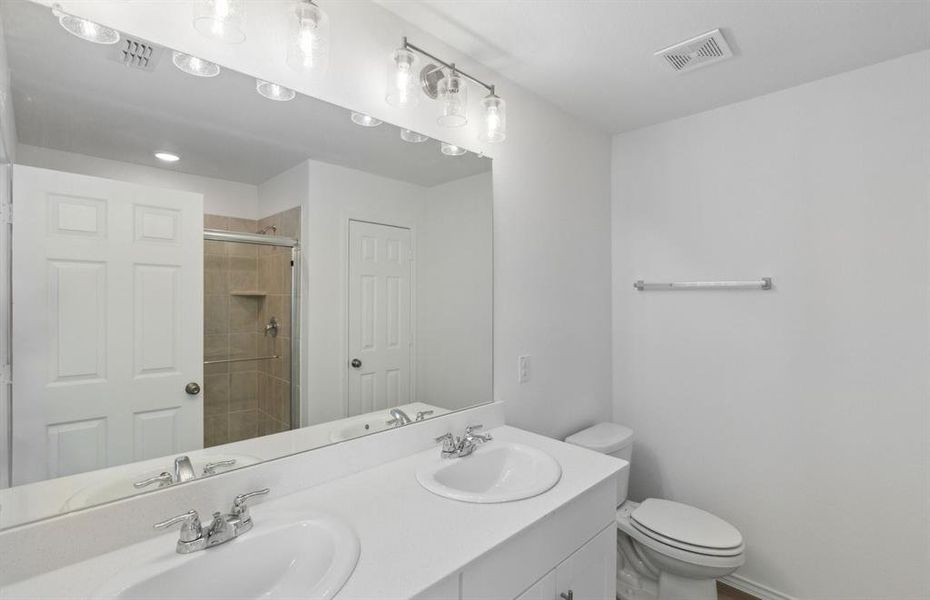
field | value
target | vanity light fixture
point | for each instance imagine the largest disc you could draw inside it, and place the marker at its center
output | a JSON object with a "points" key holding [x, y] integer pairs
{"points": [[84, 29], [192, 65], [453, 93], [444, 81], [364, 120], [273, 91], [308, 48], [221, 20], [401, 79], [408, 135], [452, 149], [167, 157]]}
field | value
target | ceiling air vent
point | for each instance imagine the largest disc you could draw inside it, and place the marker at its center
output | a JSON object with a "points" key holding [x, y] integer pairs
{"points": [[700, 51], [137, 55]]}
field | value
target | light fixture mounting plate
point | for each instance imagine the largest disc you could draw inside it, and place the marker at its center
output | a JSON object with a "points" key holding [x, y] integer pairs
{"points": [[430, 76]]}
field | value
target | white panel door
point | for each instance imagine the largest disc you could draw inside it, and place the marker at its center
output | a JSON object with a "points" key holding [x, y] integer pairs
{"points": [[107, 323], [591, 572], [379, 316]]}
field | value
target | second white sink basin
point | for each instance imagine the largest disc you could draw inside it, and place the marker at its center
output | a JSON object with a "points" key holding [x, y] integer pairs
{"points": [[309, 559], [495, 472]]}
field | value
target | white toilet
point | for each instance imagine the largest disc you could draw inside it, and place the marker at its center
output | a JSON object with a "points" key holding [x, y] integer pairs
{"points": [[666, 550]]}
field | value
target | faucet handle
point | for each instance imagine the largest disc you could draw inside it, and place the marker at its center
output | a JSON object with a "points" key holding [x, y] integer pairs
{"points": [[191, 530], [240, 508], [162, 480], [423, 414], [210, 468], [448, 442]]}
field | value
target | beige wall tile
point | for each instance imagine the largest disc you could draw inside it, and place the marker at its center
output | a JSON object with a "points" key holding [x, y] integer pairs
{"points": [[243, 273], [243, 425], [243, 391], [214, 248], [215, 314], [215, 395], [215, 275], [215, 346], [215, 222], [215, 430], [243, 225]]}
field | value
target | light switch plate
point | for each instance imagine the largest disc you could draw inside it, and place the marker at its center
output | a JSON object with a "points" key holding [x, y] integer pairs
{"points": [[523, 368]]}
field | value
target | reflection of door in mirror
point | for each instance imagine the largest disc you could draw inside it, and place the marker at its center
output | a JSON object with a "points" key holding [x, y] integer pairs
{"points": [[106, 323], [379, 312]]}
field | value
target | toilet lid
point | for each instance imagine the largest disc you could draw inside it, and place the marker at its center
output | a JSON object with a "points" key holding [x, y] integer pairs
{"points": [[672, 522]]}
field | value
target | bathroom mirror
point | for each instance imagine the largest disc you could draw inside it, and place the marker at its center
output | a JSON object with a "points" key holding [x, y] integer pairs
{"points": [[209, 271]]}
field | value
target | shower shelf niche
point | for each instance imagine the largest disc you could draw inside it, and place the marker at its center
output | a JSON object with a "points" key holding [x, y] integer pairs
{"points": [[255, 293]]}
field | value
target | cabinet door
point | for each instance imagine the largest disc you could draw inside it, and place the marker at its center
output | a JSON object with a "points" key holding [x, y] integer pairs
{"points": [[544, 589], [591, 572]]}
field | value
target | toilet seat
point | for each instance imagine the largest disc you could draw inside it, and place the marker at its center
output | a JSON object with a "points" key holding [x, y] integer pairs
{"points": [[686, 528], [693, 554]]}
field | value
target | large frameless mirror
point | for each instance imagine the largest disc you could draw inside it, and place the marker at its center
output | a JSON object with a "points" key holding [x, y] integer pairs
{"points": [[209, 271]]}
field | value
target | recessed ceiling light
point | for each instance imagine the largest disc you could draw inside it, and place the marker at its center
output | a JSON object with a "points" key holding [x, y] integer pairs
{"points": [[273, 91], [167, 157], [194, 66], [364, 120], [408, 135], [84, 29], [452, 150]]}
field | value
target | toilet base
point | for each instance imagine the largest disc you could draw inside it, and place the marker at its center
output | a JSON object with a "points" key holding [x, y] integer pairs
{"points": [[673, 587]]}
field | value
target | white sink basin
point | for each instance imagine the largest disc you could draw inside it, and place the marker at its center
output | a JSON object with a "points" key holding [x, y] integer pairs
{"points": [[495, 472], [308, 559]]}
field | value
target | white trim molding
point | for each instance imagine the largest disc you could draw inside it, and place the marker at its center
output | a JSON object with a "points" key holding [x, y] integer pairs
{"points": [[758, 590]]}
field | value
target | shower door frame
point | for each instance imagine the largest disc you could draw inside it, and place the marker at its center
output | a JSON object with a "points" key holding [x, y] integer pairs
{"points": [[260, 239]]}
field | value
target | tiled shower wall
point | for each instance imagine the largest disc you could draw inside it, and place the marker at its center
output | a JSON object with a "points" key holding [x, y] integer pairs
{"points": [[251, 398]]}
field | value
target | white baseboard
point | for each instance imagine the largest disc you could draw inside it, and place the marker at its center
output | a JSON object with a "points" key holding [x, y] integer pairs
{"points": [[756, 589]]}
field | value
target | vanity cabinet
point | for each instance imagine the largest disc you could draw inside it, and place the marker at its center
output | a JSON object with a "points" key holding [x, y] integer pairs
{"points": [[588, 574], [572, 549]]}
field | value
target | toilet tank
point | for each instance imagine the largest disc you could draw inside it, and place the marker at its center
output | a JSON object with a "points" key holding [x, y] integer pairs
{"points": [[613, 439]]}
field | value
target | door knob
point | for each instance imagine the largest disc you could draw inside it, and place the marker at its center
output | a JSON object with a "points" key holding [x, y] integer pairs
{"points": [[356, 363], [192, 388]]}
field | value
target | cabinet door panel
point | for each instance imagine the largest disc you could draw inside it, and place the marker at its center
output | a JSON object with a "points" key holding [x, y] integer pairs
{"points": [[544, 589], [591, 572]]}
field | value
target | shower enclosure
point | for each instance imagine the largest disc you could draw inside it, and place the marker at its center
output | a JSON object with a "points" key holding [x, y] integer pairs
{"points": [[250, 327]]}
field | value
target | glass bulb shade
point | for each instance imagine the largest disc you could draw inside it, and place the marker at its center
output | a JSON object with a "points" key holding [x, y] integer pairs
{"points": [[84, 29], [167, 157], [402, 79], [364, 120], [194, 66], [308, 46], [273, 91], [452, 149], [408, 135], [222, 20], [453, 95], [494, 128]]}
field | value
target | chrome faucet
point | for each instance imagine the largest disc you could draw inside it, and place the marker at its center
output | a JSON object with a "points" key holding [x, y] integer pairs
{"points": [[183, 469], [222, 528], [399, 417], [460, 447]]}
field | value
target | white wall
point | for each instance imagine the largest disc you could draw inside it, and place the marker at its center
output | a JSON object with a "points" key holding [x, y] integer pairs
{"points": [[551, 192], [454, 294], [220, 197], [284, 191], [338, 194], [800, 415]]}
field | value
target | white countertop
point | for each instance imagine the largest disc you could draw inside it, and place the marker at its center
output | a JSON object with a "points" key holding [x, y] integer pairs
{"points": [[410, 538]]}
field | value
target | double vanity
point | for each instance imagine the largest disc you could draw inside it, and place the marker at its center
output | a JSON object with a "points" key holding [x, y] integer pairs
{"points": [[498, 514]]}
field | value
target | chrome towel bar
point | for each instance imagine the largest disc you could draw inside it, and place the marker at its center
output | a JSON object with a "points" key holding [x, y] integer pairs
{"points": [[760, 284]]}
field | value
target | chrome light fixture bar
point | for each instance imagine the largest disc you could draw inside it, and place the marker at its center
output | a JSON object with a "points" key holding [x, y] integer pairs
{"points": [[450, 88]]}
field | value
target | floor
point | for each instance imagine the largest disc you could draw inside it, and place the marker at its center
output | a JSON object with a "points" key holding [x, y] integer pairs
{"points": [[725, 592]]}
